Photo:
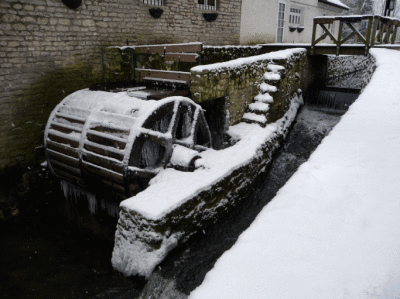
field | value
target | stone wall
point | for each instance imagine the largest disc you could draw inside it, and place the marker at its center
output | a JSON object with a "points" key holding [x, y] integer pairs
{"points": [[240, 81], [343, 65], [48, 51]]}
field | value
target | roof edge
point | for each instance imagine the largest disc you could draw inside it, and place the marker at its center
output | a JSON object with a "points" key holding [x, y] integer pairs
{"points": [[335, 4]]}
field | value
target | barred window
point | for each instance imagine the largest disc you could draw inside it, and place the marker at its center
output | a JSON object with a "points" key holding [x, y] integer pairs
{"points": [[207, 4], [295, 16], [154, 2]]}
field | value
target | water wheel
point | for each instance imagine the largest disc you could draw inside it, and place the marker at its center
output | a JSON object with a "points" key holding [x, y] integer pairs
{"points": [[115, 144]]}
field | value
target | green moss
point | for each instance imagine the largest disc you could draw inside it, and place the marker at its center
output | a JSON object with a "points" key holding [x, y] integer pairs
{"points": [[32, 107]]}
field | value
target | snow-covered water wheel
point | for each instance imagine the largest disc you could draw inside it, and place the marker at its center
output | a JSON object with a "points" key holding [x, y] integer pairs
{"points": [[117, 143]]}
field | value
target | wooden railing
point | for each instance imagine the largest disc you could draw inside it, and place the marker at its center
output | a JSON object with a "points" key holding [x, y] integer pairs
{"points": [[375, 30]]}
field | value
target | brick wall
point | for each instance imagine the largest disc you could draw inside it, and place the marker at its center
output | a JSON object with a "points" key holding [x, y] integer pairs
{"points": [[48, 51]]}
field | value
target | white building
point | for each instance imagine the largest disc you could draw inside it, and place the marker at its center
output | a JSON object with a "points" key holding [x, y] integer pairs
{"points": [[284, 21]]}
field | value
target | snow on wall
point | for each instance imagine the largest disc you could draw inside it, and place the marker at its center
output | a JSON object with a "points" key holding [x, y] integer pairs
{"points": [[178, 204], [343, 65], [239, 80], [333, 229]]}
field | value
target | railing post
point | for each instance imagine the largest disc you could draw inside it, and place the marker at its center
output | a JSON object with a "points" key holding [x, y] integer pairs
{"points": [[374, 29], [368, 35], [340, 33], [313, 38], [396, 26]]}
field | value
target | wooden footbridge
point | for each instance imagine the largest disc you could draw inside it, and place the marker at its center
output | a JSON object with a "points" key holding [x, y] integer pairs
{"points": [[355, 36]]}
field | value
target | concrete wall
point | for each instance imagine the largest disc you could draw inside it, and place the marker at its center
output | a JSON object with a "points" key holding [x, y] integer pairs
{"points": [[259, 20], [48, 51]]}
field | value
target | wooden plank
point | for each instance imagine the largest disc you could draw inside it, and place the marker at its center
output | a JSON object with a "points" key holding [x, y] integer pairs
{"points": [[169, 75], [104, 151], [142, 173], [71, 118], [169, 48], [103, 173], [107, 140], [63, 158], [69, 177], [64, 140], [103, 162], [64, 167], [66, 129], [181, 57], [114, 129], [66, 150], [115, 187]]}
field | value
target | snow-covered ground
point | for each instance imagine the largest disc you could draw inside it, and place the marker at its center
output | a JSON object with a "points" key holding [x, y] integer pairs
{"points": [[333, 231]]}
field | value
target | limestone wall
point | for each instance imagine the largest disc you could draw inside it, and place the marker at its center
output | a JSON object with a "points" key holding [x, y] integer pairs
{"points": [[344, 65], [48, 51], [240, 81]]}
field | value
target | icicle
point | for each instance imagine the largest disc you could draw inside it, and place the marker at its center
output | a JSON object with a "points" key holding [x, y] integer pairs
{"points": [[92, 203]]}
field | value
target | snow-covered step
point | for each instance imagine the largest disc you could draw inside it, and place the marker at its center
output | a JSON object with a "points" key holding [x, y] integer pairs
{"points": [[270, 76], [265, 87], [259, 107], [264, 98], [275, 68], [254, 118]]}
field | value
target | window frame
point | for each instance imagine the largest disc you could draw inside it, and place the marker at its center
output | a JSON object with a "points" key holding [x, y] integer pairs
{"points": [[206, 6], [296, 15], [154, 2]]}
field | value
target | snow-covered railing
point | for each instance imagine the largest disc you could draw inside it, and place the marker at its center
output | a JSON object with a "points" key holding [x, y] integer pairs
{"points": [[376, 30]]}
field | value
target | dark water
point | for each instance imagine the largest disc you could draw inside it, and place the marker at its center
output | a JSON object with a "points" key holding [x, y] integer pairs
{"points": [[44, 255], [51, 252]]}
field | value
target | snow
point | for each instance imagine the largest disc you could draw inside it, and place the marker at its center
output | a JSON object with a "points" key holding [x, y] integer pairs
{"points": [[259, 106], [255, 117], [333, 230], [337, 3], [182, 156], [264, 98], [177, 187], [170, 188], [240, 62], [271, 76], [275, 68], [264, 87]]}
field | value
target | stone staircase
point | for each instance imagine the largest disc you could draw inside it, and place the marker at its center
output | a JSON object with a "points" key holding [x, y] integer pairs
{"points": [[258, 109]]}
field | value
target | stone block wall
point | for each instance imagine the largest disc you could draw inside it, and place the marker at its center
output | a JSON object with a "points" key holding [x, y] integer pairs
{"points": [[48, 51], [343, 65], [240, 80]]}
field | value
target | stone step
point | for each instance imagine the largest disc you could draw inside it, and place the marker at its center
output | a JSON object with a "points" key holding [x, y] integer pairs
{"points": [[275, 68], [259, 108], [265, 87], [254, 118], [264, 98], [270, 76]]}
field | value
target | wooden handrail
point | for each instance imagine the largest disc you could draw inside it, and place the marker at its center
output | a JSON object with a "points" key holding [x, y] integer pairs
{"points": [[379, 30]]}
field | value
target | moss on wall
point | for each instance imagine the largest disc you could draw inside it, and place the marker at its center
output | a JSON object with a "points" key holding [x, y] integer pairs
{"points": [[240, 84], [31, 109]]}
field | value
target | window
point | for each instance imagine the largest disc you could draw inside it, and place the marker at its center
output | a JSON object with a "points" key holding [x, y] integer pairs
{"points": [[281, 22], [295, 16], [207, 4], [154, 2]]}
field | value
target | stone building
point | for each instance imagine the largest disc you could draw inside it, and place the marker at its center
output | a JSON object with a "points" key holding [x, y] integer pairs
{"points": [[287, 21], [50, 48]]}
